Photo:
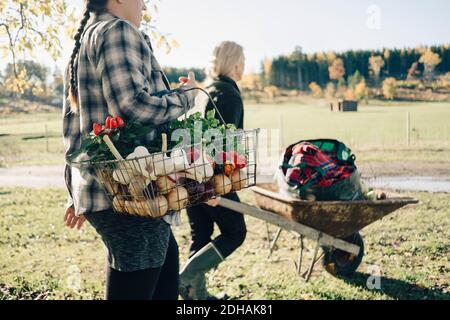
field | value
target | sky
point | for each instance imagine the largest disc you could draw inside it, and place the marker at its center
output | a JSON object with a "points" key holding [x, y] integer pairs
{"points": [[270, 28]]}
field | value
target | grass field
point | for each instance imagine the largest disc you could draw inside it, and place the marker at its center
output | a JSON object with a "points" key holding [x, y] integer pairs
{"points": [[411, 248], [377, 132]]}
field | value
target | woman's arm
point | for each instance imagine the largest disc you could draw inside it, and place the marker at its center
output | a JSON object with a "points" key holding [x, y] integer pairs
{"points": [[71, 134], [126, 87]]}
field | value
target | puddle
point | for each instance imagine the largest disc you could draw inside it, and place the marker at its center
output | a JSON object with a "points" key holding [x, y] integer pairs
{"points": [[410, 183]]}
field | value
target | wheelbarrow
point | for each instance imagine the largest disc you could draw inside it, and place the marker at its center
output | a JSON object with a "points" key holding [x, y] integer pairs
{"points": [[333, 225]]}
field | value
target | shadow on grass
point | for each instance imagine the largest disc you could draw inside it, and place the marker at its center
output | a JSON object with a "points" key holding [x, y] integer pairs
{"points": [[398, 289]]}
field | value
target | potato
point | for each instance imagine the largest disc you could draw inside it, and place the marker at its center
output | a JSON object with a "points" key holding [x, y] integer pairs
{"points": [[222, 184], [165, 184], [119, 204], [178, 198], [238, 180], [142, 208], [130, 207], [158, 206]]}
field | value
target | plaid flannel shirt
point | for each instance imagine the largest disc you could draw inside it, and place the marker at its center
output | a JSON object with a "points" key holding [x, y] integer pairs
{"points": [[117, 73]]}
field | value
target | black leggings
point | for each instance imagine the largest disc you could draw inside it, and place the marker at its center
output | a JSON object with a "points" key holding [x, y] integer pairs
{"points": [[150, 284], [231, 224]]}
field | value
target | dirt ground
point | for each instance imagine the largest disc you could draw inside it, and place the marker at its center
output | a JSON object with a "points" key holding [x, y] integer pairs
{"points": [[53, 176], [392, 168]]}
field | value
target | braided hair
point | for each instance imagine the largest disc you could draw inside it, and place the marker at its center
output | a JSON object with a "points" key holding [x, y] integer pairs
{"points": [[92, 6]]}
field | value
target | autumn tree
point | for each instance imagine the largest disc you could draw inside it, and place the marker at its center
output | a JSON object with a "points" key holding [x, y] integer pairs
{"points": [[430, 60], [376, 63], [413, 71], [31, 26], [316, 90], [266, 71], [337, 69], [34, 78], [390, 88]]}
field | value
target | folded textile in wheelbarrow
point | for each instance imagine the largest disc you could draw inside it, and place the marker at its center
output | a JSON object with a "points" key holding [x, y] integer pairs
{"points": [[322, 170]]}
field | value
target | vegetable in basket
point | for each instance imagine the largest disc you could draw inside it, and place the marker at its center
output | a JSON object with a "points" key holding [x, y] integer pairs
{"points": [[126, 136]]}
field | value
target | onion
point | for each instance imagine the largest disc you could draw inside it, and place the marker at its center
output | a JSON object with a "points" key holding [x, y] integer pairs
{"points": [[137, 186], [222, 184], [201, 170], [178, 198], [123, 175]]}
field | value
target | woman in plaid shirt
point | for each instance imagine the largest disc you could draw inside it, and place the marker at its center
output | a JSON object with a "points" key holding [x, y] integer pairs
{"points": [[112, 71]]}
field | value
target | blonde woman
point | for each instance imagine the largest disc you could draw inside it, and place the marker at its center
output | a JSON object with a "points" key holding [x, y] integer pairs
{"points": [[226, 70]]}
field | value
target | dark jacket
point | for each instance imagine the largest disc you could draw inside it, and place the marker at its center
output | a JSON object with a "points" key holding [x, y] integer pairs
{"points": [[227, 96]]}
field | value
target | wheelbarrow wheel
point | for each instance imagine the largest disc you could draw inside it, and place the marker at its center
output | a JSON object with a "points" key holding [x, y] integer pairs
{"points": [[341, 263]]}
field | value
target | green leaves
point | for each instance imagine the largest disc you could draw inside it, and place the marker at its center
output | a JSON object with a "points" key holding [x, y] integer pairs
{"points": [[125, 139], [132, 135]]}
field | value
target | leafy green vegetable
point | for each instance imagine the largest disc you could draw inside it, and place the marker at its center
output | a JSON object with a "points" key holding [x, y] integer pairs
{"points": [[195, 122]]}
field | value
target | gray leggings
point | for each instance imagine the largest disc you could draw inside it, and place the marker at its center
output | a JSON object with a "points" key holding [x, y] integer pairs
{"points": [[149, 284]]}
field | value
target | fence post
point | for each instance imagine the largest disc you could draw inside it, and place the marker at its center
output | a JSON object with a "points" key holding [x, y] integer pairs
{"points": [[280, 125], [46, 139], [408, 129]]}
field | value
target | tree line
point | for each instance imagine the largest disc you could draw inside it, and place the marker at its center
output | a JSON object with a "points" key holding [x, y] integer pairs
{"points": [[298, 69]]}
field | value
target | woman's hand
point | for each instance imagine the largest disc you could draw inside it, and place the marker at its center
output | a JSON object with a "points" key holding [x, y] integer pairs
{"points": [[213, 202], [189, 82], [71, 220]]}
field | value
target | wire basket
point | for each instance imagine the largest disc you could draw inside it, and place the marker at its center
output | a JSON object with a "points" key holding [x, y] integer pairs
{"points": [[157, 184], [153, 185]]}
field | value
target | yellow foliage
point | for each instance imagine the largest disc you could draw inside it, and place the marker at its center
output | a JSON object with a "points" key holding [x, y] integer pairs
{"points": [[18, 84], [251, 82], [272, 92], [349, 94], [361, 91], [389, 88], [317, 91], [330, 90], [376, 63], [337, 69], [430, 58]]}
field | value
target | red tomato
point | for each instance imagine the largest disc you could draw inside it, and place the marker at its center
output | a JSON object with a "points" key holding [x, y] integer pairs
{"points": [[97, 129], [193, 155], [241, 163], [183, 79], [113, 124], [120, 122], [108, 122]]}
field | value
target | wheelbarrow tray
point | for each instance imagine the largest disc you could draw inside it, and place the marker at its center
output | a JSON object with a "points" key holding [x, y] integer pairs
{"points": [[336, 218]]}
